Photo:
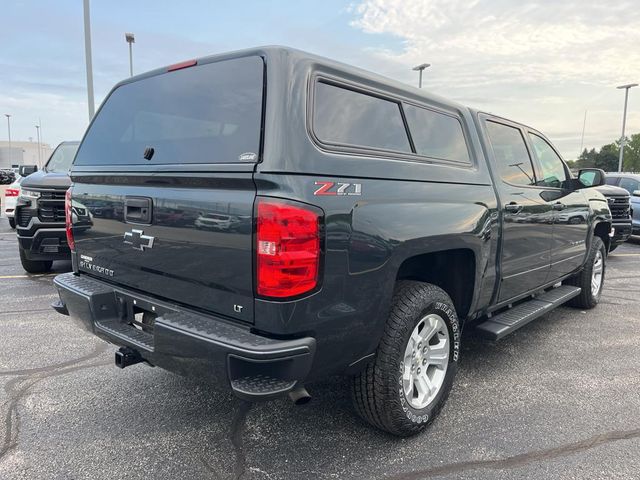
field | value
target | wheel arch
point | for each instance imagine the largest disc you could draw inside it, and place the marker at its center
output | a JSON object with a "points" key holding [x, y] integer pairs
{"points": [[453, 270], [601, 230]]}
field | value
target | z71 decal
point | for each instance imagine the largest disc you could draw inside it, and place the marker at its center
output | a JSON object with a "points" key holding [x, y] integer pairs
{"points": [[338, 188]]}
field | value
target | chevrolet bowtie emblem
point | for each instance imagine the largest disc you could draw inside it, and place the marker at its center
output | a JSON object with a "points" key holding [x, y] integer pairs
{"points": [[138, 240]]}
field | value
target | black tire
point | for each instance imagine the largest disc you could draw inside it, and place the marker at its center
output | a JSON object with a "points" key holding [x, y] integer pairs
{"points": [[12, 222], [587, 299], [377, 391], [34, 266], [613, 247]]}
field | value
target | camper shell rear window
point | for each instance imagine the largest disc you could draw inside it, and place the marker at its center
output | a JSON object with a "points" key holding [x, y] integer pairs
{"points": [[205, 114]]}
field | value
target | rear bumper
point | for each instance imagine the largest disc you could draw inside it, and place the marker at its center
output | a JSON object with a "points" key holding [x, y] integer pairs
{"points": [[189, 343]]}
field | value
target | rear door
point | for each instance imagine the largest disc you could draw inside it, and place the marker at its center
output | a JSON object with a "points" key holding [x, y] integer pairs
{"points": [[163, 185], [526, 217]]}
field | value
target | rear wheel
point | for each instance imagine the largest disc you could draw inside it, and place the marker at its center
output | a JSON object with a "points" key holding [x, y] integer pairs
{"points": [[34, 266], [591, 278], [407, 384], [12, 222]]}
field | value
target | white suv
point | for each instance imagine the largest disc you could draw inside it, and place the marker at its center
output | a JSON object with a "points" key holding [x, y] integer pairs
{"points": [[11, 195]]}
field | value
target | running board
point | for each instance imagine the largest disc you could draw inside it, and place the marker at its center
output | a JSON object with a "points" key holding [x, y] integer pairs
{"points": [[507, 322]]}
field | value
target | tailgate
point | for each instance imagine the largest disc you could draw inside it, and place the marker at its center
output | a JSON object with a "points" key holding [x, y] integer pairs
{"points": [[197, 250]]}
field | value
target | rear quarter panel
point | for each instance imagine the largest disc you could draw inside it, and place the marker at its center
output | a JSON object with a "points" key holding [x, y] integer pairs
{"points": [[366, 240]]}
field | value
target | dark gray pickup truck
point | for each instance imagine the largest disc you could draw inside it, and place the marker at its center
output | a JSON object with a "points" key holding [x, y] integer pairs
{"points": [[267, 218]]}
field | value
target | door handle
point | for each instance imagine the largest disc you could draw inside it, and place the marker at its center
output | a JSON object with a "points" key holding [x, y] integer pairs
{"points": [[558, 206], [513, 207], [138, 209]]}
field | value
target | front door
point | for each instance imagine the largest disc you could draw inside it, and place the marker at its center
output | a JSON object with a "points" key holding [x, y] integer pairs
{"points": [[571, 208], [527, 224]]}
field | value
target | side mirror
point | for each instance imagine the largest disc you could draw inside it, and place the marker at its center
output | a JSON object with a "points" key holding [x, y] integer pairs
{"points": [[592, 177], [636, 193], [26, 170]]}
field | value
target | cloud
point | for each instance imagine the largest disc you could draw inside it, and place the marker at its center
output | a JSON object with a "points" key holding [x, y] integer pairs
{"points": [[543, 63]]}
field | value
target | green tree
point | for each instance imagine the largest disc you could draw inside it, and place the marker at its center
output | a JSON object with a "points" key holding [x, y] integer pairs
{"points": [[607, 158], [587, 159], [631, 160]]}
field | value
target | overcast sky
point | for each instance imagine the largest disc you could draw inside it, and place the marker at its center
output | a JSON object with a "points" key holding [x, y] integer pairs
{"points": [[542, 63]]}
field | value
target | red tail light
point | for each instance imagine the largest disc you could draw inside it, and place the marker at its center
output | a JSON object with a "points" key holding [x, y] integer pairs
{"points": [[68, 220], [11, 192], [288, 249]]}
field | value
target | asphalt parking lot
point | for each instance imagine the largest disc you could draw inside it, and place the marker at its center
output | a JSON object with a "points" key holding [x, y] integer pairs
{"points": [[559, 399]]}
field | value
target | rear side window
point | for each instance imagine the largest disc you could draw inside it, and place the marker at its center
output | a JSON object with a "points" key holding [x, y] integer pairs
{"points": [[510, 152], [347, 117], [209, 113], [436, 135]]}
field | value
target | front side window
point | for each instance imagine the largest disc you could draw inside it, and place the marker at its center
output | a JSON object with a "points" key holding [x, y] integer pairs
{"points": [[629, 184], [553, 172], [347, 117], [436, 135], [510, 152]]}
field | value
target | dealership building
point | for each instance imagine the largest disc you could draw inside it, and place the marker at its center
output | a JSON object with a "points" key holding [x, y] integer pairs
{"points": [[23, 153]]}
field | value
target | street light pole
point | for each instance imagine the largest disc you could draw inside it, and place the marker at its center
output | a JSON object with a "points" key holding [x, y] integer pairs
{"points": [[420, 68], [624, 120], [131, 39], [87, 54], [9, 133], [38, 132]]}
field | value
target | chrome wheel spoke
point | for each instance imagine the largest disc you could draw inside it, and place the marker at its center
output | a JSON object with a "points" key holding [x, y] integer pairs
{"points": [[407, 383], [438, 359], [416, 338], [424, 387], [430, 328]]}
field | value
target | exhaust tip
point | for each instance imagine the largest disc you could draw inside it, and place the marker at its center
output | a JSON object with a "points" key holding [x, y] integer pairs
{"points": [[299, 396]]}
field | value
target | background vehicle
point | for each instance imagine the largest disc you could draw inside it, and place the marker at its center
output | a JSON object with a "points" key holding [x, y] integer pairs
{"points": [[7, 176], [371, 223], [631, 183], [10, 199], [621, 213], [39, 212]]}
